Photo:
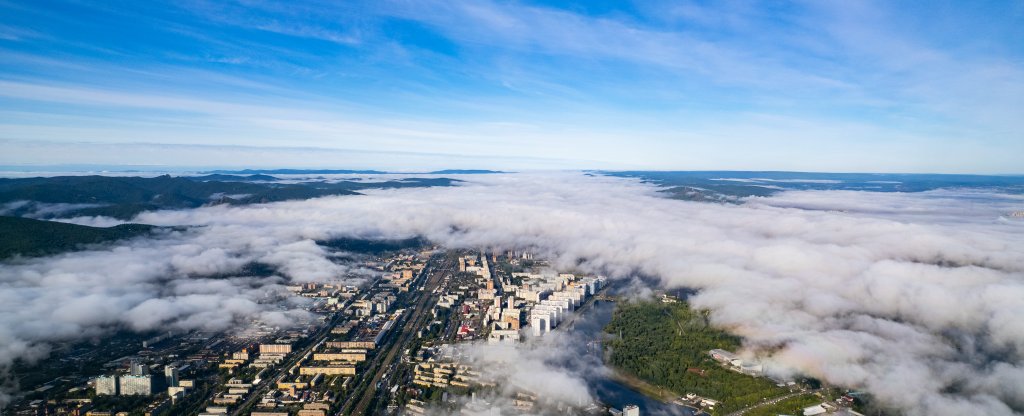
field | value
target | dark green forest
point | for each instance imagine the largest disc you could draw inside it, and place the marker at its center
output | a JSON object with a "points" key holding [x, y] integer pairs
{"points": [[124, 197], [29, 237], [667, 345]]}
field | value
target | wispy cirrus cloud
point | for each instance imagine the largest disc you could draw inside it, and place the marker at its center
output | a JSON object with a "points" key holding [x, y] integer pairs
{"points": [[806, 85]]}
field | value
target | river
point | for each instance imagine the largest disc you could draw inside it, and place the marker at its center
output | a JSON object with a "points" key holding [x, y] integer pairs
{"points": [[589, 326]]}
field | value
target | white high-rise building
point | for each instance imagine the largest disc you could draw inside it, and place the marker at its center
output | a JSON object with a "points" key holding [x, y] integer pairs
{"points": [[106, 385], [631, 410], [136, 369], [171, 375], [541, 324], [132, 385]]}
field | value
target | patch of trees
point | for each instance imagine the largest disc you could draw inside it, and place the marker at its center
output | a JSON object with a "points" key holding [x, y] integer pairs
{"points": [[668, 344]]}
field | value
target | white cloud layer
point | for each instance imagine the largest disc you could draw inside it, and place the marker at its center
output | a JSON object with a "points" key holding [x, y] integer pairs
{"points": [[183, 280], [916, 298]]}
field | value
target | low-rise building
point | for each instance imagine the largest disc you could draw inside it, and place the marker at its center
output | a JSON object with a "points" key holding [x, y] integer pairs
{"points": [[339, 356], [369, 345], [275, 349], [346, 370]]}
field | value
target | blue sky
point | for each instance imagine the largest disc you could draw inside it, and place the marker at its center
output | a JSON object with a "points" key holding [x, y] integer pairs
{"points": [[821, 86]]}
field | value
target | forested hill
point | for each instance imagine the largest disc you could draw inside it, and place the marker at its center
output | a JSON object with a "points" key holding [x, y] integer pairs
{"points": [[29, 237], [124, 197], [733, 186]]}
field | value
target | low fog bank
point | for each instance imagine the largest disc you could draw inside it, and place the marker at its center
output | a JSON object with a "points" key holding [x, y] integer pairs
{"points": [[916, 298], [552, 367], [196, 279]]}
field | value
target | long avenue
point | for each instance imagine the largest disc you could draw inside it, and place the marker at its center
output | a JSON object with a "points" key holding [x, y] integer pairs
{"points": [[415, 319]]}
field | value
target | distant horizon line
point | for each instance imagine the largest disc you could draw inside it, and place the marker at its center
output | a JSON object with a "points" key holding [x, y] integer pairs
{"points": [[136, 168]]}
